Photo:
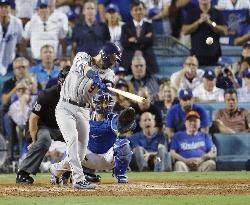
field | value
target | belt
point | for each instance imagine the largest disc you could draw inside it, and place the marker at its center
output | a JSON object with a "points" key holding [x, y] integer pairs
{"points": [[79, 104]]}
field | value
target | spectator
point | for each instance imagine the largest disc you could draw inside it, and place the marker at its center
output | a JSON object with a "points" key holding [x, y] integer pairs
{"points": [[189, 77], [19, 112], [20, 109], [232, 119], [244, 59], [142, 78], [167, 98], [207, 91], [89, 36], [148, 145], [20, 71], [121, 101], [46, 69], [120, 73], [244, 64], [244, 92], [11, 34], [147, 106], [113, 20], [193, 150], [138, 35], [243, 33], [122, 5], [25, 9], [201, 23], [175, 120], [64, 63], [43, 29], [225, 78], [158, 11], [233, 4]]}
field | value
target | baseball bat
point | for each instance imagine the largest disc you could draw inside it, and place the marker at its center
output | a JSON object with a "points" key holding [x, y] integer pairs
{"points": [[129, 95]]}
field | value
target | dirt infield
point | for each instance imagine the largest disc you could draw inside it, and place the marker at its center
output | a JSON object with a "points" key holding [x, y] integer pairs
{"points": [[135, 188]]}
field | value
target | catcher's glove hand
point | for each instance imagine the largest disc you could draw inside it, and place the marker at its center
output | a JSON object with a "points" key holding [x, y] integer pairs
{"points": [[126, 120]]}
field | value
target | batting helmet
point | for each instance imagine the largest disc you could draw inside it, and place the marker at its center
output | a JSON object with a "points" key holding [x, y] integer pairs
{"points": [[107, 51], [101, 97]]}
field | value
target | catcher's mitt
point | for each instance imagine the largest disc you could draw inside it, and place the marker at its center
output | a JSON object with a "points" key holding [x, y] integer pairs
{"points": [[126, 120]]}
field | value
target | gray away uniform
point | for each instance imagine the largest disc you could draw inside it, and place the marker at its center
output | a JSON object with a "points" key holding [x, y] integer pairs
{"points": [[73, 119]]}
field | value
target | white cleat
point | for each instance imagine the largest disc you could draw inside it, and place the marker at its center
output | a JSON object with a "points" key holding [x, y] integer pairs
{"points": [[84, 185]]}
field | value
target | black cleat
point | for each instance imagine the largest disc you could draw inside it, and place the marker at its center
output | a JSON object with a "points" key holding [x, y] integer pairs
{"points": [[92, 177], [24, 179]]}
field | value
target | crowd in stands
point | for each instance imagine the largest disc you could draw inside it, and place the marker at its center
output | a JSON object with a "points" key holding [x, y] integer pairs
{"points": [[38, 38]]}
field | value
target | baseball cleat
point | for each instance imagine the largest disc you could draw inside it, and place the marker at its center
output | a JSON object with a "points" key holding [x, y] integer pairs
{"points": [[84, 185], [92, 177], [24, 179], [122, 179]]}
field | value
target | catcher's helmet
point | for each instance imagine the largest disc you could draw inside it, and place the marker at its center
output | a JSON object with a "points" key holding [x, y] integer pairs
{"points": [[107, 51], [101, 97]]}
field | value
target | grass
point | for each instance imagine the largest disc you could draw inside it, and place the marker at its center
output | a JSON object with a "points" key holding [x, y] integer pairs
{"points": [[152, 175], [141, 200], [130, 200]]}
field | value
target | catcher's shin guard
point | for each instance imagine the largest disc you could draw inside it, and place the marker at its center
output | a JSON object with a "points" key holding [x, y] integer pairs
{"points": [[123, 155]]}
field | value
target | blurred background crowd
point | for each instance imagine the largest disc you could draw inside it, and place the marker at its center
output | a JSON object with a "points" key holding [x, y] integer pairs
{"points": [[189, 85]]}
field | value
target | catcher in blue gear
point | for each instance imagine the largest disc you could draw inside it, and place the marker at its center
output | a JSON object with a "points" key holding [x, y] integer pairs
{"points": [[108, 146]]}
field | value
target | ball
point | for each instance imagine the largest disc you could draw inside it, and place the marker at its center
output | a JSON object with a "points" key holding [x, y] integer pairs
{"points": [[209, 41]]}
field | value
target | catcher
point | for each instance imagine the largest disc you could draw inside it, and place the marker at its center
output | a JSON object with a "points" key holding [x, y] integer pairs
{"points": [[108, 146]]}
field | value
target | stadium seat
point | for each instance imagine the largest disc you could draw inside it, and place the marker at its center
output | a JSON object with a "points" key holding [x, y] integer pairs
{"points": [[212, 107], [233, 151]]}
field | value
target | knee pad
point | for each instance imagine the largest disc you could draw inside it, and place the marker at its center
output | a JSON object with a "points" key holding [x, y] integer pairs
{"points": [[123, 155], [122, 150]]}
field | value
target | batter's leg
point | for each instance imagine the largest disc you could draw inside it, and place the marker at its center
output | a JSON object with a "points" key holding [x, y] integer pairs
{"points": [[67, 124]]}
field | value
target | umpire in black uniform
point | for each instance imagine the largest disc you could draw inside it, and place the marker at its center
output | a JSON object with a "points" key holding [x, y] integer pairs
{"points": [[42, 127]]}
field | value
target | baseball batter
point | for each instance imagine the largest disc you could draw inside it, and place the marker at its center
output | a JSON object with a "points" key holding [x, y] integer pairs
{"points": [[108, 146], [86, 76]]}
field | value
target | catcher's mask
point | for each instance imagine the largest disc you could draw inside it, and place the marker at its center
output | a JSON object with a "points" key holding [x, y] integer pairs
{"points": [[62, 75], [103, 102], [110, 54]]}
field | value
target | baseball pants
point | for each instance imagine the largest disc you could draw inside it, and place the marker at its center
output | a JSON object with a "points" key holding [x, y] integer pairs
{"points": [[73, 122], [36, 153]]}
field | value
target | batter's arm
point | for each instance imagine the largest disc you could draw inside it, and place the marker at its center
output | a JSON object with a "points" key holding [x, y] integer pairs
{"points": [[81, 62]]}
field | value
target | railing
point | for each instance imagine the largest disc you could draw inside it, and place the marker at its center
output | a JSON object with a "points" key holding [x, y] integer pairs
{"points": [[169, 46]]}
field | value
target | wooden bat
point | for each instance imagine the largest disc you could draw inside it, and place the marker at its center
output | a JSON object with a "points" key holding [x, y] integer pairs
{"points": [[129, 95]]}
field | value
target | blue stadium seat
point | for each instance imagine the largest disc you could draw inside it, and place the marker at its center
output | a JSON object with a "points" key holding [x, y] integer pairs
{"points": [[233, 151], [231, 50], [212, 107]]}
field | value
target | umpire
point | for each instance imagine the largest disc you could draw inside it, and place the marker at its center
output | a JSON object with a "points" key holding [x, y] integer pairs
{"points": [[42, 127]]}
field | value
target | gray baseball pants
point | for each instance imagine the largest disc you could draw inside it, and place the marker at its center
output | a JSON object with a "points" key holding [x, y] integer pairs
{"points": [[36, 153], [73, 122]]}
